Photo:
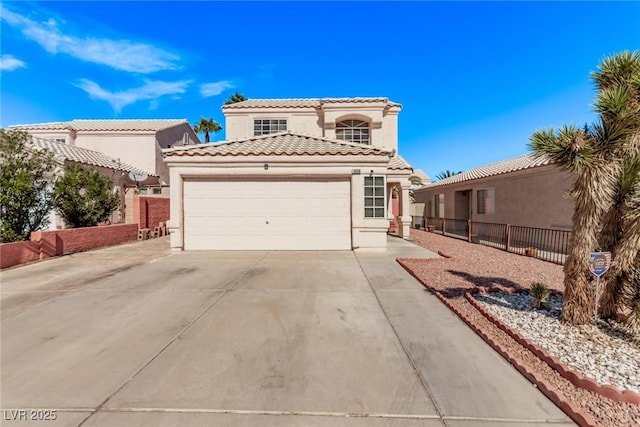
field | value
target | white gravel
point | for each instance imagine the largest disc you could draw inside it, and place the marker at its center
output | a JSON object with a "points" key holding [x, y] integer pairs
{"points": [[603, 352]]}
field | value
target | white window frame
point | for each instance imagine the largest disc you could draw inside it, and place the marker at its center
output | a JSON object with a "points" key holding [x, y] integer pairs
{"points": [[375, 203], [356, 131], [486, 201], [269, 125]]}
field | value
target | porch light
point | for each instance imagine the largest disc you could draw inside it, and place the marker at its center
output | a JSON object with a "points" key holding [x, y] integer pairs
{"points": [[266, 166]]}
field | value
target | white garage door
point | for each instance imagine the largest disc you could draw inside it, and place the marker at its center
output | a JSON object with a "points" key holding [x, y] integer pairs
{"points": [[267, 215]]}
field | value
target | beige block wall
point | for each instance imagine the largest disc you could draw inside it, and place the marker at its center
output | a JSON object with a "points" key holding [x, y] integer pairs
{"points": [[533, 198]]}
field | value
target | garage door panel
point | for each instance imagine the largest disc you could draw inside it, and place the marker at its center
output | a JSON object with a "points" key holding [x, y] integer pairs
{"points": [[267, 215]]}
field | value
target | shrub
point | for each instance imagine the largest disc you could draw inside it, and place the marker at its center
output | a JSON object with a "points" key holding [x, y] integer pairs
{"points": [[83, 197], [540, 294]]}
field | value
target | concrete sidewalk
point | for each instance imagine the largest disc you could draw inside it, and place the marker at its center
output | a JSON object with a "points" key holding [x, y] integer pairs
{"points": [[252, 338]]}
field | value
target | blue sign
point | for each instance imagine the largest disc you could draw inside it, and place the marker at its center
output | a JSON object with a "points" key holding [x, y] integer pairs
{"points": [[599, 262]]}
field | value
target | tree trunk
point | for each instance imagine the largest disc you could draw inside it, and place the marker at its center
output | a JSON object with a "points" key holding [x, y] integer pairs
{"points": [[592, 191], [206, 137], [578, 301], [623, 259]]}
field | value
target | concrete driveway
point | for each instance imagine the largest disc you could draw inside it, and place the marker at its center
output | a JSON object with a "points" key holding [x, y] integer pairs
{"points": [[247, 339]]}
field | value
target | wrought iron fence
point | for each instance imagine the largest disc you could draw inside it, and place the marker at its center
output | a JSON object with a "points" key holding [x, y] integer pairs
{"points": [[489, 234], [543, 243]]}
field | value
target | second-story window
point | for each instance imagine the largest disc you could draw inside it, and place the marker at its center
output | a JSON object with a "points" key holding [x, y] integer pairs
{"points": [[267, 126], [353, 131]]}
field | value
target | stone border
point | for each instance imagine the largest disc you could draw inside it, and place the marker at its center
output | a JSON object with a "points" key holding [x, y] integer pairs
{"points": [[568, 407], [577, 379]]}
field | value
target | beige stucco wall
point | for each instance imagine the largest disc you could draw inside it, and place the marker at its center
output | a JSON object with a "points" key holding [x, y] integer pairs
{"points": [[175, 136], [366, 232], [140, 150], [320, 121], [533, 198], [68, 135], [240, 125]]}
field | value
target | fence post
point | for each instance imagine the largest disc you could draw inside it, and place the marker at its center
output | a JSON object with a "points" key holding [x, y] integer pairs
{"points": [[469, 227], [444, 226], [508, 239]]}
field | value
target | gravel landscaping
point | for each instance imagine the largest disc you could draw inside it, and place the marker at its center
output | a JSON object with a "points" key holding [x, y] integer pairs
{"points": [[604, 353], [472, 265]]}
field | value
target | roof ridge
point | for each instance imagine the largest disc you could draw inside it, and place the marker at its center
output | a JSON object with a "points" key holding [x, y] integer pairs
{"points": [[488, 170], [277, 134]]}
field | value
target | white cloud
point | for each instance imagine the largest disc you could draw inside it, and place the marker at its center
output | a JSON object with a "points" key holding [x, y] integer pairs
{"points": [[150, 91], [9, 63], [123, 55], [216, 88]]}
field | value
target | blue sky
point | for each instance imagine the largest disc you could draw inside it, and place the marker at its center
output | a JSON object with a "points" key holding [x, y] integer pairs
{"points": [[475, 79]]}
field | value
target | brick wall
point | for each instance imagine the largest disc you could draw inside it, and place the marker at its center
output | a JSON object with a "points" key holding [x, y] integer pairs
{"points": [[46, 244], [148, 212]]}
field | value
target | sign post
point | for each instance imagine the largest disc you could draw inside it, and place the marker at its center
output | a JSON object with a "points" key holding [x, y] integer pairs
{"points": [[599, 263]]}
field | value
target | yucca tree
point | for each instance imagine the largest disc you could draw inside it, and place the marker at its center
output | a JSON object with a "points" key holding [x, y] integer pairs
{"points": [[236, 97], [594, 154], [206, 126]]}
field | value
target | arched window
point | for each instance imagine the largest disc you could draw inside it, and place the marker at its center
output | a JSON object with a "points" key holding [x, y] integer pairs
{"points": [[353, 131]]}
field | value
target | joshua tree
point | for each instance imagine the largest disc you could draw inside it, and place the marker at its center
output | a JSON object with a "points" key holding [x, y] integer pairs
{"points": [[595, 155], [236, 97], [447, 174], [206, 126], [620, 76]]}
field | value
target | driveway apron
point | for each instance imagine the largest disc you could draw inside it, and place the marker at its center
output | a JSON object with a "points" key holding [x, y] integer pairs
{"points": [[250, 338]]}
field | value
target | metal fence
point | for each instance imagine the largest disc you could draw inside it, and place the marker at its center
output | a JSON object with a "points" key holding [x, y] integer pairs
{"points": [[543, 243]]}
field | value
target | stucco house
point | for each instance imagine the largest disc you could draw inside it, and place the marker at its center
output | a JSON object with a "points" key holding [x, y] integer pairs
{"points": [[135, 142], [294, 174], [114, 169], [523, 191]]}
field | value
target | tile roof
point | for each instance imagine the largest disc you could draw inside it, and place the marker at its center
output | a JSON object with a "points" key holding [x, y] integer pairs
{"points": [[82, 155], [107, 125], [302, 102], [526, 161], [398, 163], [277, 144]]}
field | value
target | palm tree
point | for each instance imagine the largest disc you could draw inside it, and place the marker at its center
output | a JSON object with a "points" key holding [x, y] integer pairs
{"points": [[206, 126], [594, 155], [447, 174], [236, 97]]}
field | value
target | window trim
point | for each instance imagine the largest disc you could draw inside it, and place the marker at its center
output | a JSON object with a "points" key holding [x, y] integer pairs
{"points": [[352, 125], [277, 125], [376, 211]]}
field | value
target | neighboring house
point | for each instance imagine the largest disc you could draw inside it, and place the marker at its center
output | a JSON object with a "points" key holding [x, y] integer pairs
{"points": [[309, 174], [136, 142], [522, 191], [419, 179], [115, 170]]}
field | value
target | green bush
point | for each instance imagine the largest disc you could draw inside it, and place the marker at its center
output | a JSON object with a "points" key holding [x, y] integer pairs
{"points": [[83, 197]]}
